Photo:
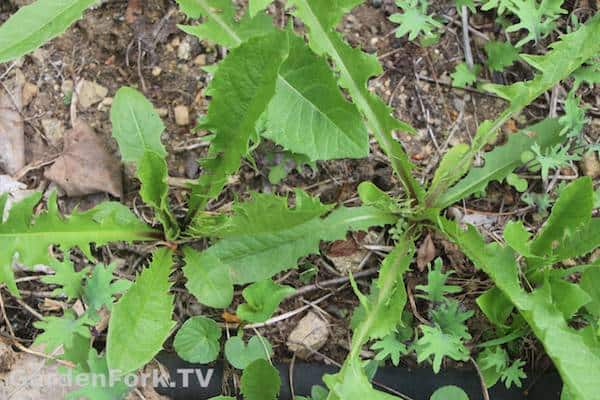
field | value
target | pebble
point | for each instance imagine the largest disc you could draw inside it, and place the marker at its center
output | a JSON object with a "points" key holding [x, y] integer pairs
{"points": [[54, 130], [90, 93], [29, 92], [162, 112], [309, 335], [590, 165], [182, 115], [200, 60], [184, 51], [156, 71]]}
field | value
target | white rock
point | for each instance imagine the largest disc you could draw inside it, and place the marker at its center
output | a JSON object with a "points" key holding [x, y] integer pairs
{"points": [[184, 51], [590, 165], [309, 335], [182, 115], [54, 130], [90, 93]]}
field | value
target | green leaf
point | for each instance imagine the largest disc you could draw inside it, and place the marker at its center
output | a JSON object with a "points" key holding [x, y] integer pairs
{"points": [[34, 25], [437, 344], [95, 387], [66, 276], [260, 381], [502, 161], [581, 242], [514, 374], [464, 76], [492, 361], [141, 321], [449, 393], [240, 355], [262, 299], [451, 319], [517, 182], [572, 211], [577, 361], [242, 89], [136, 125], [382, 313], [256, 6], [568, 297], [266, 237], [535, 17], [436, 287], [220, 25], [101, 286], [356, 68], [390, 347], [495, 306], [153, 173], [447, 170], [309, 114], [590, 282], [198, 340], [208, 279], [352, 383], [500, 54], [62, 331], [414, 19], [30, 236]]}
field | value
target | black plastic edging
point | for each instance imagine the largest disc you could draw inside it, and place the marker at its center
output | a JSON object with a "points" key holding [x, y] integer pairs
{"points": [[418, 384]]}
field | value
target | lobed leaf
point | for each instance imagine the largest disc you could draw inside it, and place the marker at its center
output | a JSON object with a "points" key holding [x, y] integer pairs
{"points": [[262, 299], [142, 320], [26, 237]]}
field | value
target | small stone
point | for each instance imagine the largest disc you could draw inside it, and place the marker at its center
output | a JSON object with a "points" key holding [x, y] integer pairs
{"points": [[162, 112], [29, 92], [590, 165], [184, 51], [200, 60], [54, 131], [67, 87], [7, 357], [90, 93], [309, 335], [182, 115], [156, 71]]}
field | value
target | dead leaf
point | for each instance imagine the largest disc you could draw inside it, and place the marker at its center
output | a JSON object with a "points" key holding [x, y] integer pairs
{"points": [[12, 139], [426, 253], [134, 10], [86, 166]]}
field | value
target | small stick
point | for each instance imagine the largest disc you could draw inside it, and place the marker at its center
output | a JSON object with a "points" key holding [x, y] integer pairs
{"points": [[486, 395], [466, 40]]}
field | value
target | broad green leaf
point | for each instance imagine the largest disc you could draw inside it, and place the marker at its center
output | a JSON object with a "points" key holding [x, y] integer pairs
{"points": [[242, 89], [101, 286], [95, 387], [495, 306], [309, 115], [208, 279], [34, 25], [141, 321], [568, 297], [572, 211], [153, 173], [262, 299], [500, 162], [577, 361], [66, 276], [136, 125], [356, 68], [446, 170], [62, 331], [256, 6], [240, 354], [266, 237], [382, 312], [580, 243], [352, 383], [449, 393], [518, 238], [198, 340], [260, 381], [220, 25], [590, 282], [30, 236]]}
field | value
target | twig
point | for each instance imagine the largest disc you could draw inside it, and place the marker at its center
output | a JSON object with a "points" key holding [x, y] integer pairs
{"points": [[486, 395], [332, 282], [466, 40], [28, 308]]}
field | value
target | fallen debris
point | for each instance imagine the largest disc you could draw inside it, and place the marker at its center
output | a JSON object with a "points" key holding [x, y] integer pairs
{"points": [[12, 139], [308, 336]]}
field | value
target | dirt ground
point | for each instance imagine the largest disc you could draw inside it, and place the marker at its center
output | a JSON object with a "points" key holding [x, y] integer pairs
{"points": [[152, 55]]}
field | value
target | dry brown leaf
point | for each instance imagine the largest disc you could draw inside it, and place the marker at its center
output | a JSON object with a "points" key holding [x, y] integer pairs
{"points": [[12, 139], [86, 166], [426, 253]]}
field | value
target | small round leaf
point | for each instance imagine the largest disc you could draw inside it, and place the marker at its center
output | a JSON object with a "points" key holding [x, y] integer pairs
{"points": [[260, 381], [449, 393], [198, 340]]}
